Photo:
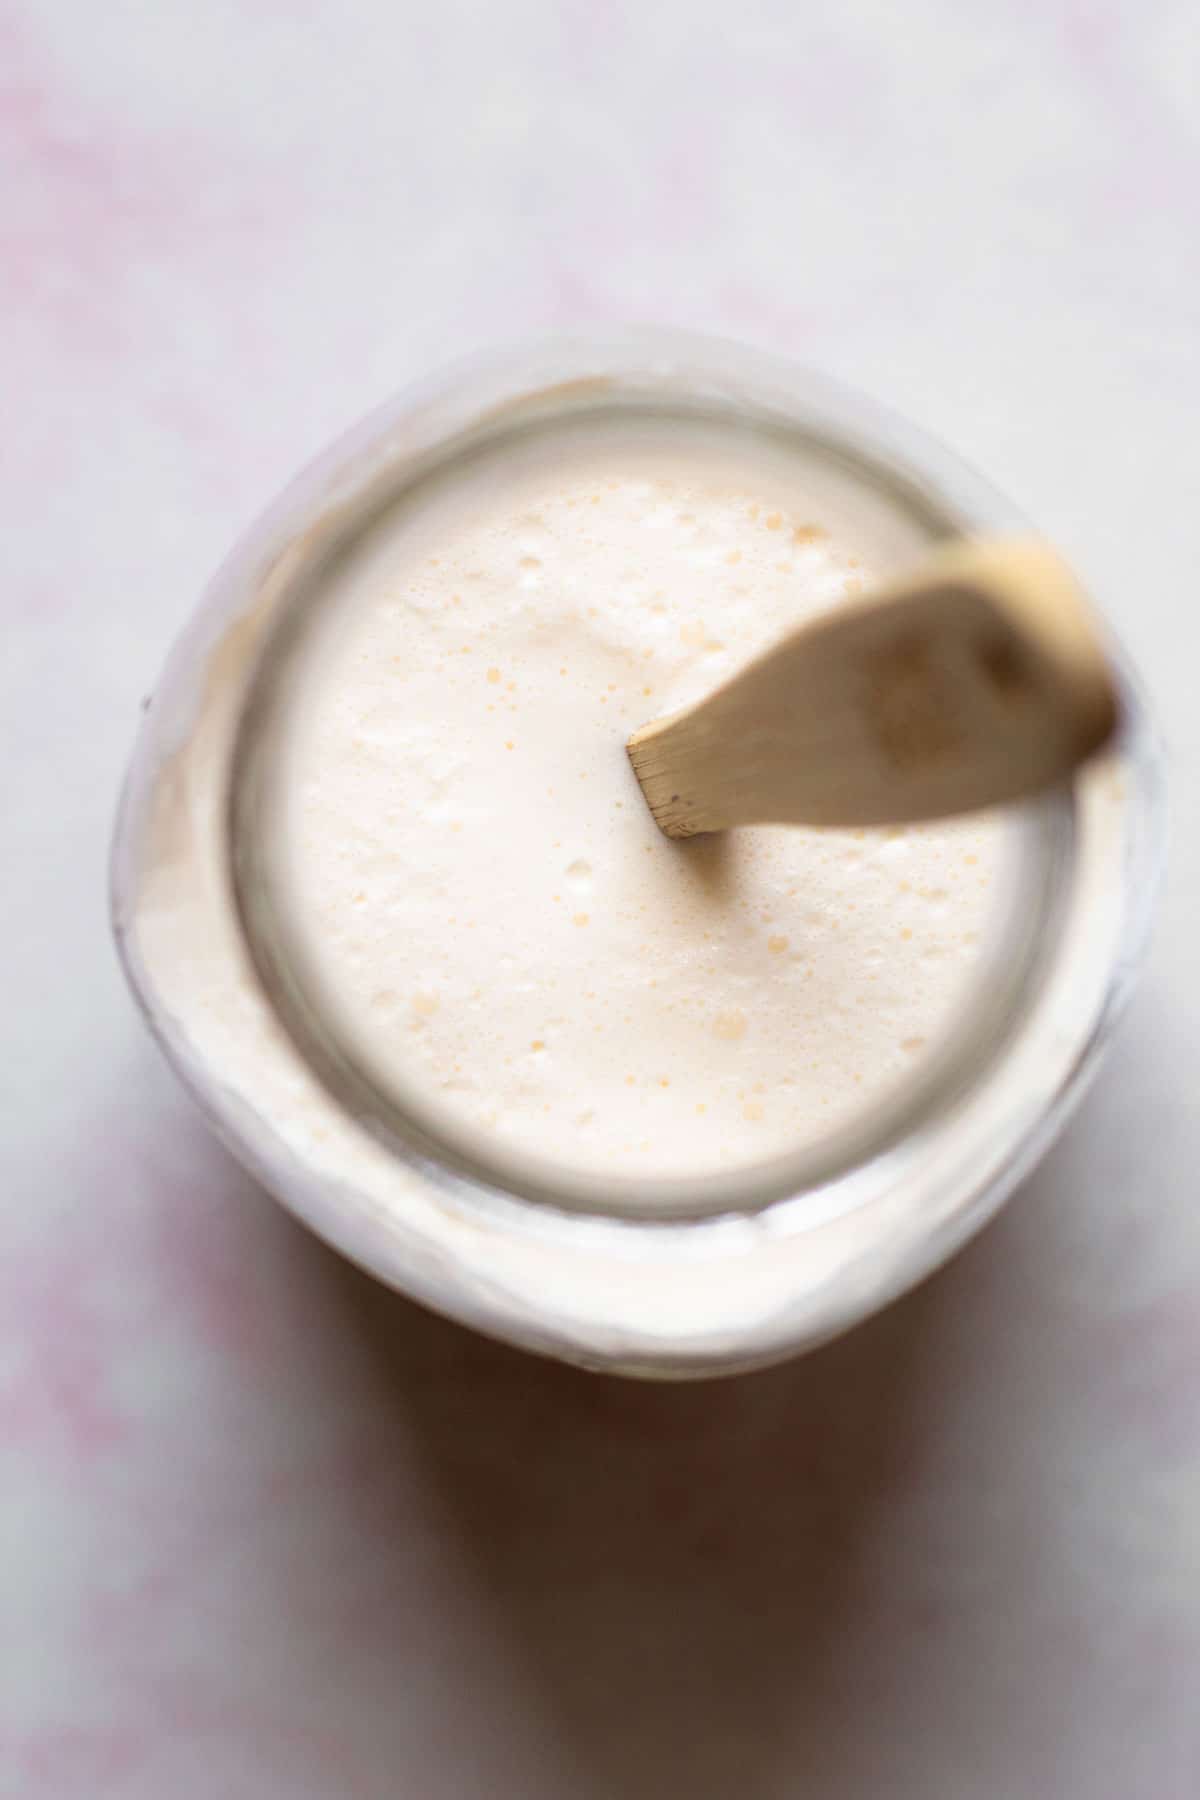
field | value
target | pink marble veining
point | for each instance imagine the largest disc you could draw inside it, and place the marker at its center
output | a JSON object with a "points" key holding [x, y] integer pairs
{"points": [[56, 1398], [89, 202]]}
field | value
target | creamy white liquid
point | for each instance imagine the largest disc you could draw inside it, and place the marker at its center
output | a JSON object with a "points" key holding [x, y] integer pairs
{"points": [[476, 889]]}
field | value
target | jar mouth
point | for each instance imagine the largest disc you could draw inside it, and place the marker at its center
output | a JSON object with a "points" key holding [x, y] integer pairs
{"points": [[1013, 969]]}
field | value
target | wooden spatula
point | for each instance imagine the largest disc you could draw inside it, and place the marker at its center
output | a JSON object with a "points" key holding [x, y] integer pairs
{"points": [[977, 680]]}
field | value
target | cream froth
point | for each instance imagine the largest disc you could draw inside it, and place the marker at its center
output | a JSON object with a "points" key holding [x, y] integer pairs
{"points": [[471, 879]]}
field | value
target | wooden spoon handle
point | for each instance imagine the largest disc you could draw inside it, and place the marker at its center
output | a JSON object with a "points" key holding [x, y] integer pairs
{"points": [[978, 680]]}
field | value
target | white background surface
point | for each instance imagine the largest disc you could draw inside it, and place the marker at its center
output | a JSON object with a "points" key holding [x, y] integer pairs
{"points": [[266, 1531]]}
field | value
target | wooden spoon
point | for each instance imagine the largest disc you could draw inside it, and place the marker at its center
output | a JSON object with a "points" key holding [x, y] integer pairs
{"points": [[979, 679]]}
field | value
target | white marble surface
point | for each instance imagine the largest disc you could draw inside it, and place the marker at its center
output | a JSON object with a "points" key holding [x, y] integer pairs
{"points": [[267, 1533]]}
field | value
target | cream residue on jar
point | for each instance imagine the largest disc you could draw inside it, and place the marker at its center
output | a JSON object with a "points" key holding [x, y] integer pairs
{"points": [[470, 877]]}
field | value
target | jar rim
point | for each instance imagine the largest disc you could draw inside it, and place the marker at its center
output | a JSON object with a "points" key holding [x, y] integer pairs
{"points": [[1045, 829]]}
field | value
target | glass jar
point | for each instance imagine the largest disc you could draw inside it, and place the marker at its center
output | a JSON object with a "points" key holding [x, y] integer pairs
{"points": [[657, 1279]]}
